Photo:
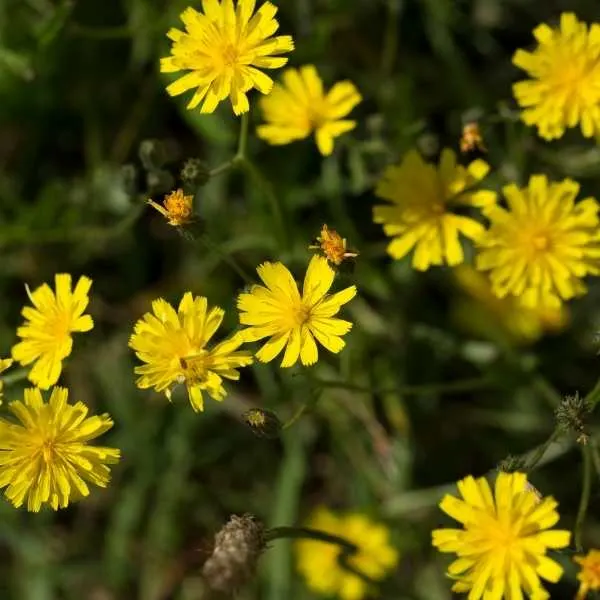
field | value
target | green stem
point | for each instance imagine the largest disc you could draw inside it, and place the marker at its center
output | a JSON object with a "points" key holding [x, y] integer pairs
{"points": [[585, 496], [15, 376], [240, 155], [595, 456], [593, 397], [253, 171], [226, 258], [451, 387], [348, 549], [221, 168], [316, 394], [537, 454]]}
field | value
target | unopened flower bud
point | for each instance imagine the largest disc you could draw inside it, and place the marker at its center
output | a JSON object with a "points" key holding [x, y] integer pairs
{"points": [[195, 172], [238, 545], [263, 423]]}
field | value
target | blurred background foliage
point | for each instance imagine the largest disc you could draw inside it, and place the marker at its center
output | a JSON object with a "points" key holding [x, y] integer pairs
{"points": [[87, 133]]}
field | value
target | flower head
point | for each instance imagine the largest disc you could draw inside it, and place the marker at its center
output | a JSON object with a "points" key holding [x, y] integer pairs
{"points": [[173, 346], [419, 214], [177, 208], [46, 334], [333, 246], [502, 547], [46, 458], [589, 574], [319, 562], [502, 317], [541, 247], [564, 89], [291, 320], [301, 106], [224, 48]]}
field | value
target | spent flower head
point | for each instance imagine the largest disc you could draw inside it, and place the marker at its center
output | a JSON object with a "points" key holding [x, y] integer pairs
{"points": [[320, 562], [501, 550], [173, 345], [564, 89], [471, 138], [177, 208], [224, 48], [332, 246], [572, 415], [292, 321], [543, 244], [300, 106], [46, 458], [46, 335], [589, 573], [419, 213]]}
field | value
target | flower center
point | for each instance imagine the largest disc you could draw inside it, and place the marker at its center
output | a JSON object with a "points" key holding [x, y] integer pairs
{"points": [[195, 367], [301, 314], [177, 206], [536, 242], [48, 450], [229, 55], [59, 327]]}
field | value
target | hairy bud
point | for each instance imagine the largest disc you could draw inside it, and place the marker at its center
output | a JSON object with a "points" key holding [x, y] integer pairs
{"points": [[195, 172], [237, 548], [571, 417]]}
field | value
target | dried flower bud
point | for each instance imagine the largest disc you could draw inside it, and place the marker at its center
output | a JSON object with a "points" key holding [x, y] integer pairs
{"points": [[332, 246], [263, 423], [471, 138], [571, 417], [195, 172], [238, 546]]}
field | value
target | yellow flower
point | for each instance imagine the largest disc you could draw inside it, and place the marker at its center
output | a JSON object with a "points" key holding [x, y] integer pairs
{"points": [[223, 49], [46, 459], [502, 317], [333, 246], [46, 335], [290, 320], [589, 575], [319, 563], [543, 245], [564, 89], [173, 346], [300, 107], [419, 215], [502, 548], [177, 208]]}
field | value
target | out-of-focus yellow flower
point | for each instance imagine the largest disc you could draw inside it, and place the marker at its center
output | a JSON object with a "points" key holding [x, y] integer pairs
{"points": [[419, 211], [46, 458], [173, 346], [589, 574], [224, 49], [292, 321], [471, 138], [564, 89], [333, 246], [501, 550], [301, 106], [487, 314], [46, 334], [319, 562], [543, 245], [177, 208], [5, 363]]}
